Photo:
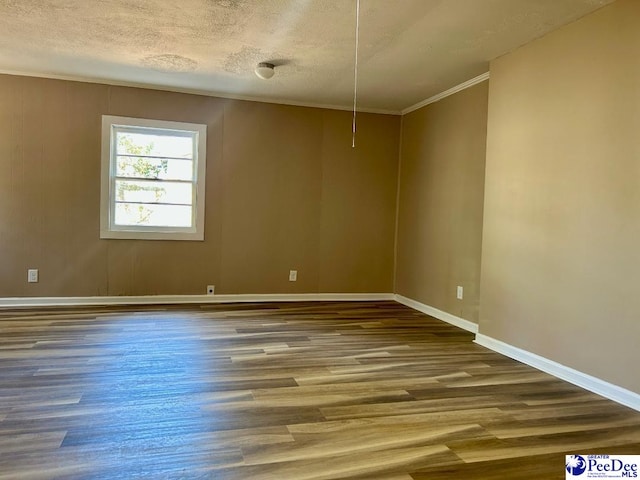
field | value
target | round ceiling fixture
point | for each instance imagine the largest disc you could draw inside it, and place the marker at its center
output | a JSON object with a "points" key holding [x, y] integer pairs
{"points": [[265, 70]]}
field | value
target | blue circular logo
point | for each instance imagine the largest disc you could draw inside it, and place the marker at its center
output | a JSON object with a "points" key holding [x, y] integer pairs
{"points": [[576, 465]]}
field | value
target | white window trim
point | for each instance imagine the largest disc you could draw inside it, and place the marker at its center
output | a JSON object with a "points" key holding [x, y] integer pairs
{"points": [[107, 229]]}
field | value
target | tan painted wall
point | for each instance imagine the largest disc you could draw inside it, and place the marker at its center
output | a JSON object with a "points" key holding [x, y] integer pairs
{"points": [[441, 198], [561, 255], [284, 191]]}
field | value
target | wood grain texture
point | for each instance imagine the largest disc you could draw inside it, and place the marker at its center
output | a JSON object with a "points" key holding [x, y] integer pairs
{"points": [[301, 391]]}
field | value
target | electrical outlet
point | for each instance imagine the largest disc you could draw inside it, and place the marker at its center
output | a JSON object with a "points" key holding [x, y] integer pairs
{"points": [[211, 289], [460, 293], [293, 275], [32, 275]]}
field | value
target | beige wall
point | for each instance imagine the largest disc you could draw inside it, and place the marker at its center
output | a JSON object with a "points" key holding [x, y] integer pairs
{"points": [[441, 197], [561, 251], [285, 190]]}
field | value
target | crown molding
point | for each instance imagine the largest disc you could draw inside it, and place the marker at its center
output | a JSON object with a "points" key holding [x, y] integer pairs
{"points": [[446, 93], [249, 98], [195, 91]]}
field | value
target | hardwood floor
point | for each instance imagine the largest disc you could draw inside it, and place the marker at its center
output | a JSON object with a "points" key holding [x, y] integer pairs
{"points": [[289, 391]]}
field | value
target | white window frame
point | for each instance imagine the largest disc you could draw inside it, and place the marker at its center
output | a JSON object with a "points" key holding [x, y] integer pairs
{"points": [[108, 229]]}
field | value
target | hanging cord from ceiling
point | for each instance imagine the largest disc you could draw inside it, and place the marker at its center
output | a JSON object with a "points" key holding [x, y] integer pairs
{"points": [[355, 77]]}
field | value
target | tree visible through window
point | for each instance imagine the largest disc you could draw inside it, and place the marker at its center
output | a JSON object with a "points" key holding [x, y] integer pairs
{"points": [[155, 179]]}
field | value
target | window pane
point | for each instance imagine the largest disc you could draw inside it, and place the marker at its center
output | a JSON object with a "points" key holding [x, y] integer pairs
{"points": [[152, 172], [152, 215], [153, 192], [134, 143], [165, 169]]}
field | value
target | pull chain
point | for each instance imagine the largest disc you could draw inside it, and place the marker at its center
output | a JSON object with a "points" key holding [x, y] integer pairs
{"points": [[355, 77]]}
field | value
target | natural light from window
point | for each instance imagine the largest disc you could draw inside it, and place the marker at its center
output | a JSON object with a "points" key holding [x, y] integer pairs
{"points": [[155, 176]]}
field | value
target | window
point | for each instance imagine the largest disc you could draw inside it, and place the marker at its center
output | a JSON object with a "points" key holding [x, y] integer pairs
{"points": [[152, 179]]}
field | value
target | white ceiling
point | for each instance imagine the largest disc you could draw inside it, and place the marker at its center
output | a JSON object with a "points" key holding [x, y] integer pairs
{"points": [[409, 49]]}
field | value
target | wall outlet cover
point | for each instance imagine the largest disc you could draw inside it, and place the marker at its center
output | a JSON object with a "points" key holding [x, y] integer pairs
{"points": [[32, 275], [211, 289]]}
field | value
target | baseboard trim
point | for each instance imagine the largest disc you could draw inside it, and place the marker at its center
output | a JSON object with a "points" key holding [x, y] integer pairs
{"points": [[593, 384], [178, 299], [439, 314]]}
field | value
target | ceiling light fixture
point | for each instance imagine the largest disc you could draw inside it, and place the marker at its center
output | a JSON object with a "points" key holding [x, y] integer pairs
{"points": [[265, 70]]}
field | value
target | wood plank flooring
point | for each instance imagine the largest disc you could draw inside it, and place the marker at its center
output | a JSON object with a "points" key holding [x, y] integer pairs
{"points": [[282, 391]]}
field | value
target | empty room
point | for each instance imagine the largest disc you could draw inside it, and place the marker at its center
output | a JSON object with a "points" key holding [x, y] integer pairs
{"points": [[319, 239]]}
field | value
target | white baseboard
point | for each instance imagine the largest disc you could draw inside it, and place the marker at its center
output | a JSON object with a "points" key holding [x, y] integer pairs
{"points": [[164, 299], [593, 384], [588, 382], [439, 314]]}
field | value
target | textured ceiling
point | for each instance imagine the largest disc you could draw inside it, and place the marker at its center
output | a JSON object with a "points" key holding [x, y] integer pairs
{"points": [[409, 49]]}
